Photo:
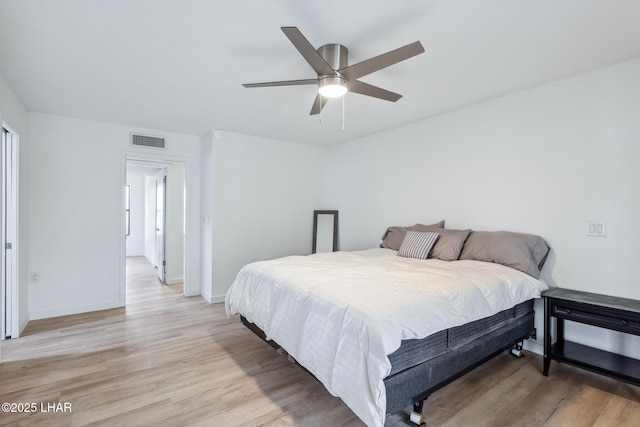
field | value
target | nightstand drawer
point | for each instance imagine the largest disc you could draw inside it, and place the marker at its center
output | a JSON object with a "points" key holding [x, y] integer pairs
{"points": [[596, 316]]}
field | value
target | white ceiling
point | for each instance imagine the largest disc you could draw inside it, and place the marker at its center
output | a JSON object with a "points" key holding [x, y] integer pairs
{"points": [[178, 65]]}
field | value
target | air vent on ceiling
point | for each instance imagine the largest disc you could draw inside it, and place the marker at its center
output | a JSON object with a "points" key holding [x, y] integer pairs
{"points": [[148, 141]]}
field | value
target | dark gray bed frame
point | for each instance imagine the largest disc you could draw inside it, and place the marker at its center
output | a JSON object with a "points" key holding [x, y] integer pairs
{"points": [[420, 367]]}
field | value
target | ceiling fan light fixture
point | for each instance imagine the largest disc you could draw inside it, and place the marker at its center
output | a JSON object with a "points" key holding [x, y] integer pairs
{"points": [[332, 86]]}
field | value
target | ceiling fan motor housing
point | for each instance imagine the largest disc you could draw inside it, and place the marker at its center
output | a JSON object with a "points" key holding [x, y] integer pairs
{"points": [[335, 55]]}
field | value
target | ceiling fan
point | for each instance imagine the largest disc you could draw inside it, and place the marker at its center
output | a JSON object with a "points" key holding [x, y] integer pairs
{"points": [[335, 77]]}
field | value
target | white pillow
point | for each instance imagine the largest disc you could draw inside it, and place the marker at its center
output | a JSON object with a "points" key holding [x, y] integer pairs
{"points": [[418, 244]]}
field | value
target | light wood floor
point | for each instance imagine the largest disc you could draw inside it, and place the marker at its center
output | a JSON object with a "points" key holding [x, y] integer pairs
{"points": [[167, 360]]}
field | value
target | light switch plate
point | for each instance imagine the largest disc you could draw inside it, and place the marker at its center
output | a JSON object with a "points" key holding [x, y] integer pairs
{"points": [[596, 229]]}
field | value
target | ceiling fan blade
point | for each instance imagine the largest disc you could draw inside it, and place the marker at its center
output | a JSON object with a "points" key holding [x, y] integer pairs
{"points": [[318, 104], [283, 83], [307, 51], [382, 61], [362, 88]]}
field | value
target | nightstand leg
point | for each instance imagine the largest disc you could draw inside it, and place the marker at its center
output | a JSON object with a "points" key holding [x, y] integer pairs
{"points": [[545, 368], [547, 337]]}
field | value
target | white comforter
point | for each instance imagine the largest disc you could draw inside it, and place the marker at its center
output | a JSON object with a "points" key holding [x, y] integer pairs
{"points": [[340, 314]]}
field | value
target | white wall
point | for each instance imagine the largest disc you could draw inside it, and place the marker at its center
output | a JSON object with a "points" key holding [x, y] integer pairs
{"points": [[542, 161], [260, 202], [206, 249], [135, 240], [14, 113], [76, 237]]}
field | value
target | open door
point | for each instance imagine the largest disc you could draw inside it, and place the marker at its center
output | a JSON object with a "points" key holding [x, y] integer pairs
{"points": [[161, 198]]}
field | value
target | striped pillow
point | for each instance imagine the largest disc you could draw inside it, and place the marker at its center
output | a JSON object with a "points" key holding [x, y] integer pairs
{"points": [[418, 244]]}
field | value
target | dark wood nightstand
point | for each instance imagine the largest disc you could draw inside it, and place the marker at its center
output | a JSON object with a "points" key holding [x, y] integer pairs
{"points": [[618, 314]]}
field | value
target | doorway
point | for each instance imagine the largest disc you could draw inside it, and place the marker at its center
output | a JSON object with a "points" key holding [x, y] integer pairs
{"points": [[9, 321], [155, 219]]}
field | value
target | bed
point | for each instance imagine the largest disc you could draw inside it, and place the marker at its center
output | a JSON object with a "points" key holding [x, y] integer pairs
{"points": [[382, 331]]}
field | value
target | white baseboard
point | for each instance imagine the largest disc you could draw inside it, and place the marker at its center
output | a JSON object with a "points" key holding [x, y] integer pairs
{"points": [[212, 299], [205, 295], [23, 325], [217, 299], [189, 293], [534, 346], [173, 280], [65, 311], [135, 254]]}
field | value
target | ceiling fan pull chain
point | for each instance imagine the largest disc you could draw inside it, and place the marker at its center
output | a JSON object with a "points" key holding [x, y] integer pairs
{"points": [[343, 112]]}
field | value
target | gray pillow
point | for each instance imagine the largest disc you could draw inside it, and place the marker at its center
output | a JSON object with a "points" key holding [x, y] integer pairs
{"points": [[417, 244], [524, 252], [449, 243], [393, 237]]}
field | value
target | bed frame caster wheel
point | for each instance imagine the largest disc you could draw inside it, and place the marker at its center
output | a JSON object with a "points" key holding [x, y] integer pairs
{"points": [[416, 415], [516, 351], [417, 419]]}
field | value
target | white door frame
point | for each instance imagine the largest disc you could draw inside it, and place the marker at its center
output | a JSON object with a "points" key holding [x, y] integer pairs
{"points": [[9, 216], [189, 287]]}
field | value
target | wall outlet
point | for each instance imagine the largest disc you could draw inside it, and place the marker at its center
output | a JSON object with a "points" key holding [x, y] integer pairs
{"points": [[34, 277]]}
